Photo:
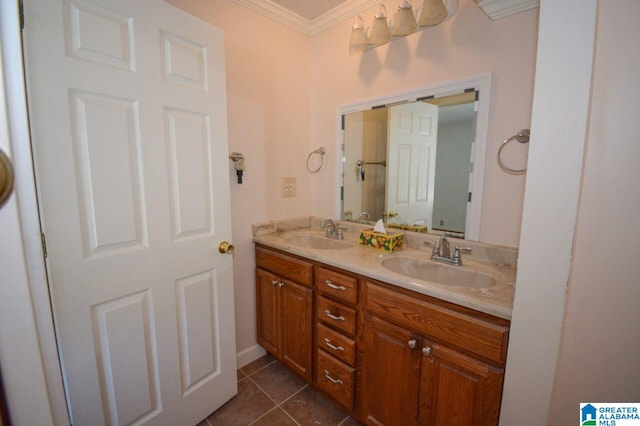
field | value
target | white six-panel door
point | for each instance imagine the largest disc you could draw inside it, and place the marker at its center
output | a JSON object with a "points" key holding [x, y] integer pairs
{"points": [[411, 162], [128, 113]]}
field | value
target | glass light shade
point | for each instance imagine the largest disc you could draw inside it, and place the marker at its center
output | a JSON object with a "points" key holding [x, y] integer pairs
{"points": [[404, 23], [433, 12], [379, 33], [358, 37]]}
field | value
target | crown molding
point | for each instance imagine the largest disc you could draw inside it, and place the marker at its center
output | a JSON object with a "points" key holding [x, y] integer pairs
{"points": [[496, 9], [346, 10], [309, 27], [278, 13]]}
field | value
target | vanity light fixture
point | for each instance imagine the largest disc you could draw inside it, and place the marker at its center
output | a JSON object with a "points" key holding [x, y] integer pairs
{"points": [[380, 28], [403, 23], [358, 36], [433, 12]]}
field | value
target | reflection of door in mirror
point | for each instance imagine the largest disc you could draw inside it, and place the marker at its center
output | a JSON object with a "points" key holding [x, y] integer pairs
{"points": [[412, 143], [437, 182]]}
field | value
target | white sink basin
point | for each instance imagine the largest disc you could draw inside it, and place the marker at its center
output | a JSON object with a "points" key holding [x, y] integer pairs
{"points": [[316, 242], [428, 270]]}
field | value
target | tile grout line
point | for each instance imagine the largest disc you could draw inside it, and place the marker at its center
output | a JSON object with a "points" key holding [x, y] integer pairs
{"points": [[259, 369], [278, 404]]}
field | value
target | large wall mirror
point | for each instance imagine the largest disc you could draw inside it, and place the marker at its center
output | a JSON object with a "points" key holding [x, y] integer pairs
{"points": [[416, 159]]}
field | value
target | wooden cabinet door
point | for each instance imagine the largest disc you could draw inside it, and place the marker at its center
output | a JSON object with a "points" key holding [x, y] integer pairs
{"points": [[268, 303], [297, 326], [457, 390], [391, 374]]}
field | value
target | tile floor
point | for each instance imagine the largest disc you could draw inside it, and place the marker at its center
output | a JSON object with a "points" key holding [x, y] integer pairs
{"points": [[271, 395]]}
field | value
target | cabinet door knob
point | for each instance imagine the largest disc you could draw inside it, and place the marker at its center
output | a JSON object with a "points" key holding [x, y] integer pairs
{"points": [[412, 343], [274, 282], [6, 178], [280, 284], [426, 351]]}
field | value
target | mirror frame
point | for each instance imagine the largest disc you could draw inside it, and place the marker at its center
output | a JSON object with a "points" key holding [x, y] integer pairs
{"points": [[480, 83]]}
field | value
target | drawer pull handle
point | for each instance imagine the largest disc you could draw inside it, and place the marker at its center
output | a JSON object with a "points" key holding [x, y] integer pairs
{"points": [[330, 284], [331, 379], [333, 317], [335, 348]]}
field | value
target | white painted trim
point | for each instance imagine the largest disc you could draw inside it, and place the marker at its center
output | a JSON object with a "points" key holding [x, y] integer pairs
{"points": [[496, 9], [309, 27], [249, 355], [278, 13], [559, 120], [480, 82]]}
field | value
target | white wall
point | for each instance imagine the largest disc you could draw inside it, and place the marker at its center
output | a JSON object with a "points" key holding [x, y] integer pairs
{"points": [[467, 44], [600, 346]]}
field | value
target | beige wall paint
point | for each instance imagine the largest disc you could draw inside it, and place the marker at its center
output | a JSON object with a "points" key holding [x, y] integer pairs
{"points": [[268, 98], [469, 43], [600, 346]]}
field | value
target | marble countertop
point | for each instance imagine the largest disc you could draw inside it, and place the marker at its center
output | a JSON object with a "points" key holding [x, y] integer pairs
{"points": [[497, 261]]}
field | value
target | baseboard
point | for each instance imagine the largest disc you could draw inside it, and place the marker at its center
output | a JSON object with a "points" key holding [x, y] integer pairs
{"points": [[249, 355]]}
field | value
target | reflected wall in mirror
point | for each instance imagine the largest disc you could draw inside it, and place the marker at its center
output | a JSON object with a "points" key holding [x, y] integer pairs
{"points": [[416, 160]]}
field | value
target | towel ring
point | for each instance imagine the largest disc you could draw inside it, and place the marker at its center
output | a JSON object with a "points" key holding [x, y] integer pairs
{"points": [[523, 137], [320, 151]]}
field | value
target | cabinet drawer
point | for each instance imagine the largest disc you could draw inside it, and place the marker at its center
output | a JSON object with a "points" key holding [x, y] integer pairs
{"points": [[336, 314], [285, 266], [338, 285], [335, 378], [475, 334], [336, 344]]}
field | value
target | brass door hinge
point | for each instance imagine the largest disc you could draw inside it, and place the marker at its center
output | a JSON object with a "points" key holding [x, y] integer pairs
{"points": [[43, 238]]}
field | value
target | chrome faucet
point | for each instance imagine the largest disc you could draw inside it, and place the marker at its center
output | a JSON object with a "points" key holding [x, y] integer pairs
{"points": [[333, 231], [442, 252]]}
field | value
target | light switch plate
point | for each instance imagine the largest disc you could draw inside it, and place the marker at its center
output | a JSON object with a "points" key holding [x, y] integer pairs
{"points": [[289, 187]]}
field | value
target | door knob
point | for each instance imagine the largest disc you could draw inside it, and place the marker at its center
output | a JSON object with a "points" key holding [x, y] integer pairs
{"points": [[6, 178], [226, 247]]}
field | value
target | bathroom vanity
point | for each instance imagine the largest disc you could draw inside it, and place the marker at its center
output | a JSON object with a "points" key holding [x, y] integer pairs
{"points": [[386, 347]]}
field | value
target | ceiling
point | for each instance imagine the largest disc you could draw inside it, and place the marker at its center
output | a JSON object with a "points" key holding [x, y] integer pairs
{"points": [[309, 16], [309, 9]]}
